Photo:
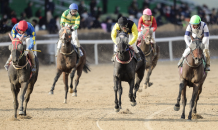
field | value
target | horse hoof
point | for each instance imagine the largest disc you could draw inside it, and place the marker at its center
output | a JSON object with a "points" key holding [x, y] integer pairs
{"points": [[117, 110], [176, 108], [51, 93], [150, 84], [65, 101], [74, 94], [71, 90], [21, 112], [133, 104], [145, 86]]}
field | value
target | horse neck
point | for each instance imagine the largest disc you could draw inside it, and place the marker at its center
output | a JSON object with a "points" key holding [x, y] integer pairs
{"points": [[66, 48], [145, 47], [124, 57]]}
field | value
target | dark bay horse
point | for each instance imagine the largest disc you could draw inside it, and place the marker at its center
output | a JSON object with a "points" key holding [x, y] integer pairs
{"points": [[20, 75], [67, 63], [151, 59], [126, 69], [191, 74]]}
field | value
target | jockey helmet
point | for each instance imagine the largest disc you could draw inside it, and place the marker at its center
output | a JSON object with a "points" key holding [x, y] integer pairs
{"points": [[22, 26], [122, 21], [195, 20], [147, 11], [73, 6]]}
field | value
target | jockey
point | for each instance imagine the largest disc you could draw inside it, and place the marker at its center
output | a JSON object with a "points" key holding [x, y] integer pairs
{"points": [[147, 20], [199, 29], [71, 17], [130, 28], [28, 30]]}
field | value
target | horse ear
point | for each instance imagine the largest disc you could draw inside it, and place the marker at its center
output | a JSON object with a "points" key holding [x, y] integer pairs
{"points": [[10, 47], [20, 47], [11, 37]]}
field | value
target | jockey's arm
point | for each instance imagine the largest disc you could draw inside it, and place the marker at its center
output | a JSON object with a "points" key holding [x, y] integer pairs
{"points": [[140, 24], [134, 33], [187, 35], [154, 24], [32, 34], [13, 31], [114, 32], [77, 23], [63, 19], [205, 39]]}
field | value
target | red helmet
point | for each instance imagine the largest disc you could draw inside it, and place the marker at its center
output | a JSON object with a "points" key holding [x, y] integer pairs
{"points": [[22, 25]]}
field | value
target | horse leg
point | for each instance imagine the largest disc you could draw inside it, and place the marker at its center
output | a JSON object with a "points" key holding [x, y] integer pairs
{"points": [[58, 74], [147, 82], [181, 87], [184, 101], [131, 86], [15, 92], [196, 101], [27, 96], [116, 80], [78, 74], [139, 77], [24, 86], [120, 89], [194, 95], [71, 82], [65, 80]]}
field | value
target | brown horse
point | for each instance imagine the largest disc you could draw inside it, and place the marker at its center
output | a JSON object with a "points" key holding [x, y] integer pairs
{"points": [[67, 60], [191, 74], [147, 49]]}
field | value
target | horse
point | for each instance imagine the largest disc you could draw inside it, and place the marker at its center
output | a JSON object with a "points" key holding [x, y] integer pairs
{"points": [[191, 74], [126, 69], [151, 59], [20, 75], [67, 63]]}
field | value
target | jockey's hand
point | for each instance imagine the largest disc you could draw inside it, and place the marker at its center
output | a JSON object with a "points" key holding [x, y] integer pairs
{"points": [[26, 52]]}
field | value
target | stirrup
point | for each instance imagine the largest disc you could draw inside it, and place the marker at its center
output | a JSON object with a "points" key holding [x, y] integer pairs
{"points": [[207, 68]]}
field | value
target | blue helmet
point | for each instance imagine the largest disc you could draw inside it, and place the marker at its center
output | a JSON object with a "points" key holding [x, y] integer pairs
{"points": [[73, 6]]}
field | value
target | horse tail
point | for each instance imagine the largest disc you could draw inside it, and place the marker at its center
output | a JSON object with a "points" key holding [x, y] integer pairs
{"points": [[86, 68]]}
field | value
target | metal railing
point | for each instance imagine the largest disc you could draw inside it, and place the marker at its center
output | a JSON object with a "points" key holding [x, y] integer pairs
{"points": [[96, 42]]}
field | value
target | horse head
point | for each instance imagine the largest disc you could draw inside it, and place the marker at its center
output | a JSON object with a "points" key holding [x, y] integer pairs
{"points": [[196, 48], [122, 43], [147, 35], [65, 35], [16, 48]]}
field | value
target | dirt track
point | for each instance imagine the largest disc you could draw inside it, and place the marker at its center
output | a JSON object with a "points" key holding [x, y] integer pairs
{"points": [[93, 108]]}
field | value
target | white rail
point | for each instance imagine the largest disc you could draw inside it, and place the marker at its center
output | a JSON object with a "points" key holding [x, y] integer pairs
{"points": [[96, 42]]}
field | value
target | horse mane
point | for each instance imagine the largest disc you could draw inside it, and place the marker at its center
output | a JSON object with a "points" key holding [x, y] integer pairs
{"points": [[122, 37], [68, 31]]}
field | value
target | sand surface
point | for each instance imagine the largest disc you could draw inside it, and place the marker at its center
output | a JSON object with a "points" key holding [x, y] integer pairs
{"points": [[93, 108]]}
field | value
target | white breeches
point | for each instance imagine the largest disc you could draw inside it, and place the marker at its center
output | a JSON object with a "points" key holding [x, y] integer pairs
{"points": [[133, 45], [26, 40], [75, 40]]}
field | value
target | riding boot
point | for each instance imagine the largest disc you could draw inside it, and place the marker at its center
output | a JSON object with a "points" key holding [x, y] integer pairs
{"points": [[207, 55], [32, 57], [138, 57], [8, 63], [180, 61]]}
